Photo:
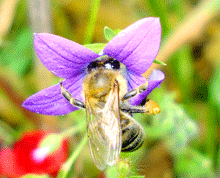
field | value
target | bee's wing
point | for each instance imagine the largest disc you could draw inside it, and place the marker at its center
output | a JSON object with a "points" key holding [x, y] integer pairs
{"points": [[103, 129]]}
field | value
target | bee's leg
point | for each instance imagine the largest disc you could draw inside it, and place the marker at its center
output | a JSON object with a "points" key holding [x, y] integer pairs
{"points": [[151, 108], [69, 98], [126, 107], [135, 91]]}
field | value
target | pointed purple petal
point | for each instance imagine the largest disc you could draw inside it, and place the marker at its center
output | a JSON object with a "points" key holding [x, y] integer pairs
{"points": [[50, 100], [61, 56], [137, 45], [154, 81]]}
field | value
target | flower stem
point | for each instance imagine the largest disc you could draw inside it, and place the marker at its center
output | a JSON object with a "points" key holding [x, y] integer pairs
{"points": [[72, 130], [68, 164], [92, 19], [7, 132]]}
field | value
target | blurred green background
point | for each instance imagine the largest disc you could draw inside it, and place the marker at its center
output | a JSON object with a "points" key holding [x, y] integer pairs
{"points": [[183, 140]]}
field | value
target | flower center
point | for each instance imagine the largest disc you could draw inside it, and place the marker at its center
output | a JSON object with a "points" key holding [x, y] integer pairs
{"points": [[103, 62]]}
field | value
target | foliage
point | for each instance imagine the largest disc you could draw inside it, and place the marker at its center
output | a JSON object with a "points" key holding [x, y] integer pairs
{"points": [[186, 130]]}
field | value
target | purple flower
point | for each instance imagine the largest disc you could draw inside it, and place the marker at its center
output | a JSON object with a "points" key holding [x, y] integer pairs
{"points": [[136, 47]]}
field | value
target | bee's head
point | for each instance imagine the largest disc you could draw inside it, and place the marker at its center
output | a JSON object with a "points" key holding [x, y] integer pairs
{"points": [[104, 62]]}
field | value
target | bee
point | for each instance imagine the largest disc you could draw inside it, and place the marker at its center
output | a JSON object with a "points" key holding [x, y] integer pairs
{"points": [[110, 125]]}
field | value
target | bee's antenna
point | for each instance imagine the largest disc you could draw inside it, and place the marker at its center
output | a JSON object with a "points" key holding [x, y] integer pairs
{"points": [[61, 87], [61, 83]]}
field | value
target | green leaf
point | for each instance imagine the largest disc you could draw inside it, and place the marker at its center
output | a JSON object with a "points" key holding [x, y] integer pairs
{"points": [[123, 169], [173, 125], [214, 87], [111, 172], [193, 164], [109, 33], [117, 31], [18, 55], [159, 62], [96, 47], [181, 64], [182, 128]]}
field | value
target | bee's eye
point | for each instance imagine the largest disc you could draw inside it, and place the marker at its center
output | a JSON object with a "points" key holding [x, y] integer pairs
{"points": [[115, 64], [92, 66], [110, 63]]}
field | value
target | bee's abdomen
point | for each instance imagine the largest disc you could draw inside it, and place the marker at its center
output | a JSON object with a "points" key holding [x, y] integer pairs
{"points": [[132, 137]]}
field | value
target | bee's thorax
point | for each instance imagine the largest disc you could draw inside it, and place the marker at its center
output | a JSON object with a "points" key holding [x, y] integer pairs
{"points": [[99, 83]]}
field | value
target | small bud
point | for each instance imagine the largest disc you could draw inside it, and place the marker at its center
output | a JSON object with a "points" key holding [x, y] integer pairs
{"points": [[50, 143], [123, 168], [40, 154]]}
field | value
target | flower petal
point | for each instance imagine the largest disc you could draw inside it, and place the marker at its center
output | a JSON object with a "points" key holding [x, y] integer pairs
{"points": [[61, 56], [154, 80], [134, 80], [137, 45], [50, 100], [29, 142], [8, 164]]}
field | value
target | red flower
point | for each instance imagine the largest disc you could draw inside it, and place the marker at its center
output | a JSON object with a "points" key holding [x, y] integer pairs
{"points": [[21, 159]]}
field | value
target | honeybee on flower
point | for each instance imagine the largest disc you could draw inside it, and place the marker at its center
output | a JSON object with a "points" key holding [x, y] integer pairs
{"points": [[108, 85]]}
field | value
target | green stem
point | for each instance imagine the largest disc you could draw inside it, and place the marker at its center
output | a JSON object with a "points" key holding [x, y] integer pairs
{"points": [[7, 132], [92, 19], [212, 129], [68, 164], [69, 132]]}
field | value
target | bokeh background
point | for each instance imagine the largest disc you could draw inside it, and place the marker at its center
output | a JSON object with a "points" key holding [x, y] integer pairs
{"points": [[183, 140]]}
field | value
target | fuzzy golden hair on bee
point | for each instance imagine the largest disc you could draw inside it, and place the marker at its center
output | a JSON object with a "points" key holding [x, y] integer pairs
{"points": [[98, 83]]}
